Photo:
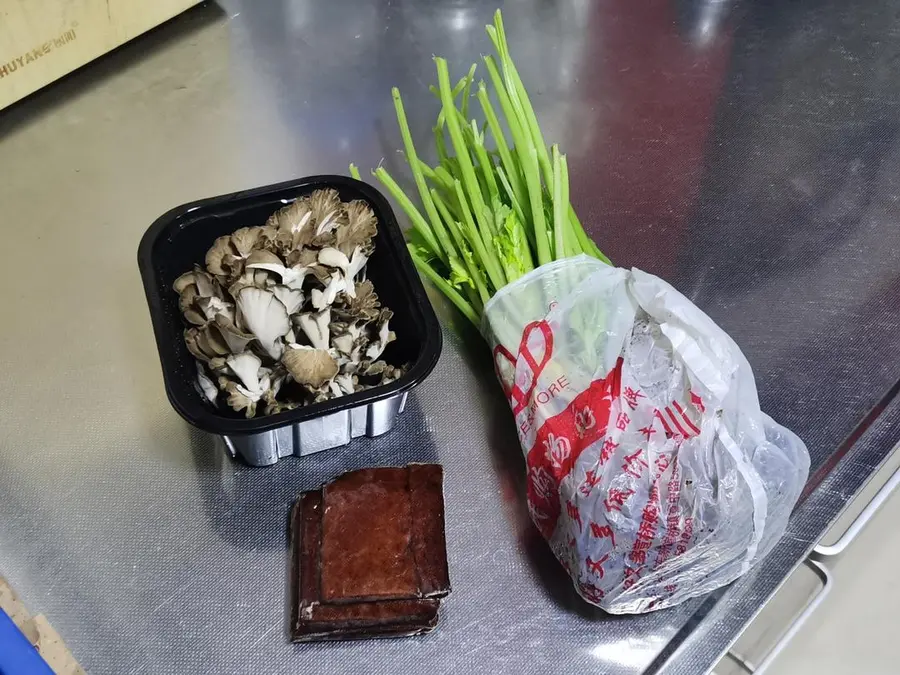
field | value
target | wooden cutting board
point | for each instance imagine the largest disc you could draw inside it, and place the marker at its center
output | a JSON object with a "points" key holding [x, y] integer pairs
{"points": [[42, 40], [39, 631]]}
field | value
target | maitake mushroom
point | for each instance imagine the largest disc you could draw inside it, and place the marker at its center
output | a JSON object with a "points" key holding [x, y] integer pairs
{"points": [[283, 315]]}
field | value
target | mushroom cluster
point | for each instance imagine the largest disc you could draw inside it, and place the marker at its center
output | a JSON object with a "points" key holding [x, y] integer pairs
{"points": [[283, 315]]}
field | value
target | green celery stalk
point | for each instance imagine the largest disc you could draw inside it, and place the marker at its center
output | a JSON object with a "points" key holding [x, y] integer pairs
{"points": [[513, 175], [445, 182], [525, 249], [515, 129], [444, 177], [457, 89], [444, 287], [527, 154], [354, 172], [418, 221], [518, 92], [470, 289], [462, 154], [467, 89], [587, 244], [511, 243], [484, 161], [490, 216], [559, 214], [455, 231], [510, 193], [573, 247], [568, 244], [439, 177], [449, 203], [470, 135], [535, 194], [441, 146], [413, 160], [498, 36], [484, 249], [426, 170]]}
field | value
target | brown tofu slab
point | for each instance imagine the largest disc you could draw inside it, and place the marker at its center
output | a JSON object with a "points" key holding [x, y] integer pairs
{"points": [[366, 537], [428, 543], [369, 556]]}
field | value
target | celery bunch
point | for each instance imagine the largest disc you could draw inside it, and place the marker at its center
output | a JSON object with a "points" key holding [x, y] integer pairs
{"points": [[490, 215]]}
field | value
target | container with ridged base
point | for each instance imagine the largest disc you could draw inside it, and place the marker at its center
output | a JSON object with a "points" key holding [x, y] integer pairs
{"points": [[181, 237], [320, 433]]}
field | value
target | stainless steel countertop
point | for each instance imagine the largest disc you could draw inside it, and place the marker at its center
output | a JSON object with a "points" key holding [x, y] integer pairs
{"points": [[751, 156]]}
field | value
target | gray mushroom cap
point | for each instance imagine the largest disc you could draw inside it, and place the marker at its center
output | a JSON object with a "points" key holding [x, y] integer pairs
{"points": [[299, 278], [265, 317], [207, 387], [309, 366], [292, 277], [235, 338], [246, 367], [385, 335], [315, 326]]}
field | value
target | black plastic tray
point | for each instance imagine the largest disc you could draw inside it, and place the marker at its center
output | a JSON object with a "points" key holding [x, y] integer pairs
{"points": [[181, 237]]}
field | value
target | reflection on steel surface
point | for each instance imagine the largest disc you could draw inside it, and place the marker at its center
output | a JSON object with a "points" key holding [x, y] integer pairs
{"points": [[760, 174], [838, 547], [827, 585]]}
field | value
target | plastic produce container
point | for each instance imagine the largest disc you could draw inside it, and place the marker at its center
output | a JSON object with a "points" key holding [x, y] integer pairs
{"points": [[181, 238]]}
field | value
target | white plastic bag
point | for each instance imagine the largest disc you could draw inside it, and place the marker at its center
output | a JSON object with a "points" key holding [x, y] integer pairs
{"points": [[652, 472]]}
